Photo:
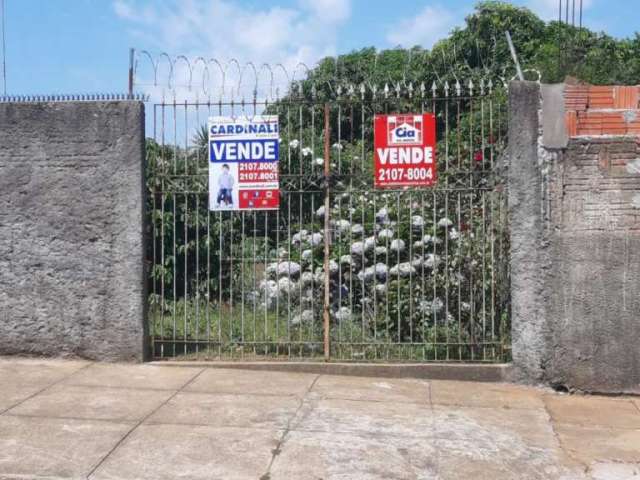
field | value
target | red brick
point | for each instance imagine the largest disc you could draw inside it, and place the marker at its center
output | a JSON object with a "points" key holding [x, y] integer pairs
{"points": [[633, 128], [626, 97], [590, 110], [571, 122], [601, 97], [576, 97], [594, 122]]}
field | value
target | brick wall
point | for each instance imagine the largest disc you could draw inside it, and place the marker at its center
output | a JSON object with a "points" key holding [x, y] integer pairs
{"points": [[602, 110], [595, 186], [596, 181], [574, 206]]}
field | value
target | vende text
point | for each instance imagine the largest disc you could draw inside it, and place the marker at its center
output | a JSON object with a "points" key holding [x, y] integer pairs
{"points": [[405, 155]]}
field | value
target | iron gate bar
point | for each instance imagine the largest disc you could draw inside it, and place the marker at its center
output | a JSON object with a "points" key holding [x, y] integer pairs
{"points": [[214, 302], [327, 239]]}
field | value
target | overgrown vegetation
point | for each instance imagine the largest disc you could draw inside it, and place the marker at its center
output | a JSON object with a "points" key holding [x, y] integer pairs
{"points": [[412, 274], [479, 49]]}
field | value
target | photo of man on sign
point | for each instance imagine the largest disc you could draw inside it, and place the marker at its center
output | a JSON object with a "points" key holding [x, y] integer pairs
{"points": [[225, 187]]}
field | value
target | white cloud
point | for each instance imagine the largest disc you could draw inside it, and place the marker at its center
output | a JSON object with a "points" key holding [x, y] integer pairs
{"points": [[427, 27], [226, 29], [548, 9], [123, 10], [127, 12], [233, 33], [329, 10]]}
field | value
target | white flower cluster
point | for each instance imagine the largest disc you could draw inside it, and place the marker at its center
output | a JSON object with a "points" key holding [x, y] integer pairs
{"points": [[397, 246], [289, 269], [373, 257], [306, 316], [385, 234], [342, 226], [444, 223], [382, 216]]}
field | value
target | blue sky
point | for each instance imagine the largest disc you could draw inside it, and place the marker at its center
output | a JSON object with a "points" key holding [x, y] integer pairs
{"points": [[81, 46]]}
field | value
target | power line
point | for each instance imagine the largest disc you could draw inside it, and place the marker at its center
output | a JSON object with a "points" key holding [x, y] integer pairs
{"points": [[567, 13]]}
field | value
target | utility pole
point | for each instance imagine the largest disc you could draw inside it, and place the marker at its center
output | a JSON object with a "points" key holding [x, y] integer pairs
{"points": [[4, 49], [132, 54]]}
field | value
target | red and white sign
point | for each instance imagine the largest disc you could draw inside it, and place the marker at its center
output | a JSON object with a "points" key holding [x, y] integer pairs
{"points": [[405, 150]]}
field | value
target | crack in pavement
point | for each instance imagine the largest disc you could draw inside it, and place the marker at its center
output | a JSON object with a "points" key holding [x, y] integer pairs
{"points": [[556, 435], [128, 434], [42, 390], [278, 449]]}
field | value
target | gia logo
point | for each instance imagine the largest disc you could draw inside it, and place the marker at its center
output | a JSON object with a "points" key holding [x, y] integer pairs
{"points": [[405, 130]]}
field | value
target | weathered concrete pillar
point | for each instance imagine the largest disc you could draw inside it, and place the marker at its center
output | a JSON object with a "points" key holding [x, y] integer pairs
{"points": [[530, 333], [72, 279]]}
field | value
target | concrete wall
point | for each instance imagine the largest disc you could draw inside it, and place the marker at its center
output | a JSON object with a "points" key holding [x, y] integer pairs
{"points": [[528, 255], [71, 229], [575, 218]]}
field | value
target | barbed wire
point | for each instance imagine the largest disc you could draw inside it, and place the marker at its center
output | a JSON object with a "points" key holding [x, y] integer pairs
{"points": [[81, 97], [177, 78]]}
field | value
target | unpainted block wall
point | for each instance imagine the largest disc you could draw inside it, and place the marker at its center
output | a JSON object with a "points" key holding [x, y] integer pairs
{"points": [[580, 209], [71, 230], [594, 283]]}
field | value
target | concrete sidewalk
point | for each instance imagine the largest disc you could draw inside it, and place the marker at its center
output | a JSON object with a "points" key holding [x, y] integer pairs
{"points": [[72, 419]]}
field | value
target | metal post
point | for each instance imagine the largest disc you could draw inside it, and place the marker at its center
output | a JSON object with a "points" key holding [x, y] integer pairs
{"points": [[131, 60], [560, 11], [327, 234], [580, 13], [514, 56]]}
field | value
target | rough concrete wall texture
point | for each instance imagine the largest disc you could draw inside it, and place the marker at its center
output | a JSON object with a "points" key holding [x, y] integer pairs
{"points": [[594, 290], [529, 327], [575, 220], [71, 230]]}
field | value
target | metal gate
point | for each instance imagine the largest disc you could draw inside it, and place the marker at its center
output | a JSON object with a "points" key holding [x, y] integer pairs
{"points": [[341, 271]]}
